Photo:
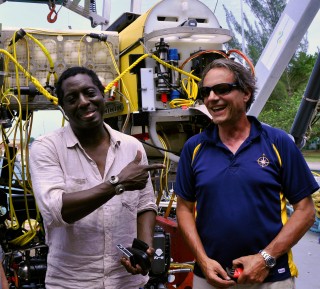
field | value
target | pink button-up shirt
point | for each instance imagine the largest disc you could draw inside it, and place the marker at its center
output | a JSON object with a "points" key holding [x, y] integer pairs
{"points": [[84, 254]]}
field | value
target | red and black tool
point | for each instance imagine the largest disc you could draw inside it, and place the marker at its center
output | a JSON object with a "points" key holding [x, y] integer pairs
{"points": [[234, 273], [137, 254]]}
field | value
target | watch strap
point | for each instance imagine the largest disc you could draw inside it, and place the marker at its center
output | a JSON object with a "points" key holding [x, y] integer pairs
{"points": [[269, 260]]}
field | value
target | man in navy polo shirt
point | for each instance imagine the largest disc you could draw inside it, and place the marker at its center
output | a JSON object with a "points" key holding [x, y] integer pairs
{"points": [[239, 174]]}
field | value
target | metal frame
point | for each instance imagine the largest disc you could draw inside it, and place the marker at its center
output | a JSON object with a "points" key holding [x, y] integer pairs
{"points": [[290, 29]]}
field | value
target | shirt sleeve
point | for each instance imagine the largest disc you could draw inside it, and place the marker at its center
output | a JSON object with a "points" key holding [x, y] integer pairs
{"points": [[297, 179], [146, 196], [47, 181]]}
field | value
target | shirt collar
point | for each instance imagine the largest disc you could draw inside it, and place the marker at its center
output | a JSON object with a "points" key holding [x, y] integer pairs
{"points": [[72, 140], [211, 133]]}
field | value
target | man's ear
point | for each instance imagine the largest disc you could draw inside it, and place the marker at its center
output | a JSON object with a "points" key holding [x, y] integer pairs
{"points": [[247, 96]]}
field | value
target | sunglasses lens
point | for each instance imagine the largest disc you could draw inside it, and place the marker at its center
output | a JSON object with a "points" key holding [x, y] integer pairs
{"points": [[205, 91], [222, 88], [218, 89]]}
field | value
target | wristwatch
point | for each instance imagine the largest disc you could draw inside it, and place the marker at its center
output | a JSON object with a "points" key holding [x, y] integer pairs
{"points": [[119, 188], [270, 261]]}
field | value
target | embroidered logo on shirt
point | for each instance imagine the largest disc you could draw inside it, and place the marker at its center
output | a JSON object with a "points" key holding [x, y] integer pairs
{"points": [[263, 161], [281, 270]]}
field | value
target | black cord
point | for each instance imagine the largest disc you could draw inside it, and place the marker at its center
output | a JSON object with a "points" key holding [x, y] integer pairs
{"points": [[164, 78], [214, 11], [162, 149]]}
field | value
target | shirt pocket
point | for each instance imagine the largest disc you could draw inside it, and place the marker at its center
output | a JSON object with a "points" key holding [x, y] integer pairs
{"points": [[130, 201], [75, 184]]}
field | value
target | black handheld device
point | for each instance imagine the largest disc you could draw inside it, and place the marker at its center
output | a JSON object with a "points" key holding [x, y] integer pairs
{"points": [[137, 254]]}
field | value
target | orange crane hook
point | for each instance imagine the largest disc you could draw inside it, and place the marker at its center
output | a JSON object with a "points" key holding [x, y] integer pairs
{"points": [[52, 12]]}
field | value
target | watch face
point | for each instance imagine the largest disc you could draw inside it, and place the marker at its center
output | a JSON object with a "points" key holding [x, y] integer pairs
{"points": [[114, 180], [119, 189], [270, 261]]}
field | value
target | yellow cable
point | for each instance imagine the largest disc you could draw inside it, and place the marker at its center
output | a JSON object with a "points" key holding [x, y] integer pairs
{"points": [[126, 94], [47, 54], [26, 237], [13, 216], [175, 265], [15, 222], [38, 85], [110, 85], [79, 49], [164, 172], [174, 103], [179, 102], [53, 33], [175, 68], [166, 163], [191, 89], [30, 123]]}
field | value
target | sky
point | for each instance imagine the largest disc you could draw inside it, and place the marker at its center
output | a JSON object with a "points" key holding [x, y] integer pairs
{"points": [[31, 15], [13, 14]]}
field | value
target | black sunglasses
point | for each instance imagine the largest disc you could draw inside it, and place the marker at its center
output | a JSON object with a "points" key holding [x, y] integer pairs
{"points": [[218, 89]]}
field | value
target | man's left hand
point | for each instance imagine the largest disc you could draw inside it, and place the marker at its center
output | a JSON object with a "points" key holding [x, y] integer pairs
{"points": [[254, 269], [137, 269]]}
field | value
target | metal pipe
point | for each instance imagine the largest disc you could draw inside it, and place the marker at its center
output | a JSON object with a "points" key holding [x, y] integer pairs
{"points": [[307, 106]]}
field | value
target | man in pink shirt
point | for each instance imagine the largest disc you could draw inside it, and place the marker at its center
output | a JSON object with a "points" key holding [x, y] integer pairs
{"points": [[93, 189]]}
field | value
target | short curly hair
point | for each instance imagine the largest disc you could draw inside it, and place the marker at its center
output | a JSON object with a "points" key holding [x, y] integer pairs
{"points": [[72, 71], [242, 76]]}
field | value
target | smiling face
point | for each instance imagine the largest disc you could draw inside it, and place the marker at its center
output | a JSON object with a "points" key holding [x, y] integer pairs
{"points": [[225, 108], [83, 103]]}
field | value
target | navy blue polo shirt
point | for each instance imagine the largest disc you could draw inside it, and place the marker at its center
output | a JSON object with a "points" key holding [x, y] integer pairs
{"points": [[241, 198]]}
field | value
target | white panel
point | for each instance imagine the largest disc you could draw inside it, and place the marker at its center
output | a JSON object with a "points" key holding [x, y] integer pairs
{"points": [[147, 89], [172, 13]]}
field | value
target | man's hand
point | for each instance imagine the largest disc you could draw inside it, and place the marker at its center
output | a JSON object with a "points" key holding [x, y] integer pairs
{"points": [[254, 269], [137, 269], [215, 274], [135, 176]]}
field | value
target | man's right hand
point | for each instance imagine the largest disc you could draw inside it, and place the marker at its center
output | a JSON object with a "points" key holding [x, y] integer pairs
{"points": [[135, 176], [216, 275]]}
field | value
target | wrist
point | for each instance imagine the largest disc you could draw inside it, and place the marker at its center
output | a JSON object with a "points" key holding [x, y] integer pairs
{"points": [[118, 187], [203, 261], [269, 260]]}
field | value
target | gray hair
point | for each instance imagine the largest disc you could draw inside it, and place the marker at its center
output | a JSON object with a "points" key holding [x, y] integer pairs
{"points": [[242, 76]]}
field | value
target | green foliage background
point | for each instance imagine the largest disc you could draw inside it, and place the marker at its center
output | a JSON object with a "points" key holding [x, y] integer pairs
{"points": [[284, 102]]}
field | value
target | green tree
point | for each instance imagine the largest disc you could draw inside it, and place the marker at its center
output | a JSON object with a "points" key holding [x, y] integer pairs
{"points": [[265, 14], [285, 99]]}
